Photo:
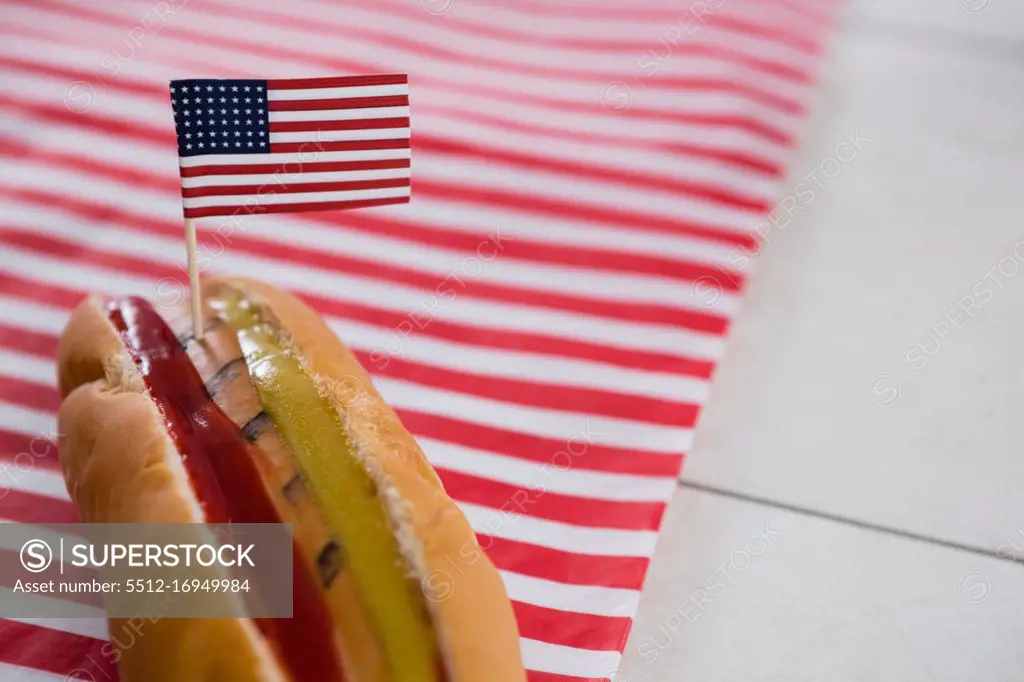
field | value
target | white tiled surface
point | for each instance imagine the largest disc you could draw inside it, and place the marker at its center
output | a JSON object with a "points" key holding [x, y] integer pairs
{"points": [[843, 292]]}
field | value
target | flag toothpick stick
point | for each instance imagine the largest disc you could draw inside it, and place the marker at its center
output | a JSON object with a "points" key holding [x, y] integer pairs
{"points": [[193, 278]]}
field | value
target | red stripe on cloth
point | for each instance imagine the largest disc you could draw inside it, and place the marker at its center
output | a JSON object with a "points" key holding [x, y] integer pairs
{"points": [[29, 394], [293, 167], [27, 341], [539, 676], [24, 452], [578, 630], [339, 82], [564, 567], [63, 653], [536, 448], [278, 188], [342, 103], [608, 402], [688, 187], [514, 501], [349, 124], [26, 507]]}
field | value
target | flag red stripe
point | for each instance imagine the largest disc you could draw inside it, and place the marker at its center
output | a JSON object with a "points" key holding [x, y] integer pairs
{"points": [[338, 82], [290, 167], [342, 103], [351, 124], [278, 188]]}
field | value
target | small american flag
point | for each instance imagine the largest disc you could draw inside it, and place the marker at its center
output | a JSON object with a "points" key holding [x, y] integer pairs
{"points": [[298, 144]]}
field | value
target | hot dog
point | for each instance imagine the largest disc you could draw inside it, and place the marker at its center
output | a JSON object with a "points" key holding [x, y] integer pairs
{"points": [[270, 419]]}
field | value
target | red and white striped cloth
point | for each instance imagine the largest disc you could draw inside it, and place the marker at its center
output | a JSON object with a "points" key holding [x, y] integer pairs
{"points": [[536, 315]]}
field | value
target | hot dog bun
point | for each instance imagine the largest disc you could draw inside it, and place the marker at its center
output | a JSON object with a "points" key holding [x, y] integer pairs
{"points": [[120, 465]]}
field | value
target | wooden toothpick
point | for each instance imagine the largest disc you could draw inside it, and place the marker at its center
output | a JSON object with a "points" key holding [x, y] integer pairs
{"points": [[193, 277]]}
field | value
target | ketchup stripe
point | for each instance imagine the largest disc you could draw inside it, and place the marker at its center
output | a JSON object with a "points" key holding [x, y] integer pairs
{"points": [[215, 454]]}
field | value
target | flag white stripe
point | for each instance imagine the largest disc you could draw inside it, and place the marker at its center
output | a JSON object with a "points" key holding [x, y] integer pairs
{"points": [[347, 92], [270, 198], [310, 156], [339, 114], [293, 179], [341, 135]]}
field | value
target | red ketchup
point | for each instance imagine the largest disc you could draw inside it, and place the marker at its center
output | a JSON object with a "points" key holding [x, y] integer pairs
{"points": [[225, 479]]}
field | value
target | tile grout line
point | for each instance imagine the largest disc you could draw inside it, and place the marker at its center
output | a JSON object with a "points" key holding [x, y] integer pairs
{"points": [[848, 521]]}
